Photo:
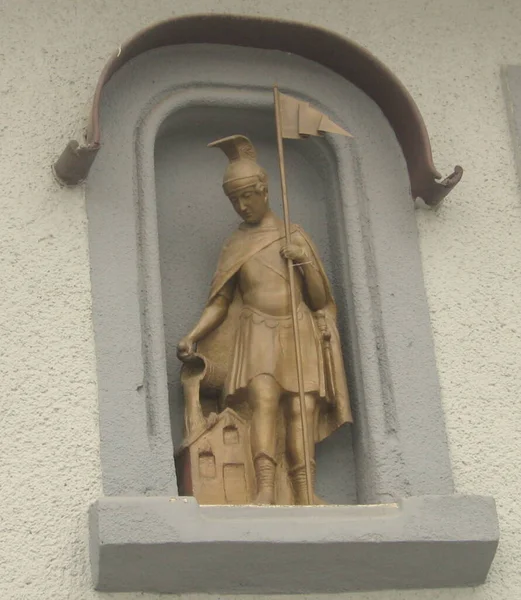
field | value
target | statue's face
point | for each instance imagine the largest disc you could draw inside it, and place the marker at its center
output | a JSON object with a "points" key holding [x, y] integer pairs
{"points": [[250, 203]]}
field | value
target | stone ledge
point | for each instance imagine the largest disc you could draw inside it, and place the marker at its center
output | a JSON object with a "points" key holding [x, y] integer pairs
{"points": [[173, 545]]}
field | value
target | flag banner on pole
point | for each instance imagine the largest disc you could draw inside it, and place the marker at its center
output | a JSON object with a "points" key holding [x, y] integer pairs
{"points": [[299, 120]]}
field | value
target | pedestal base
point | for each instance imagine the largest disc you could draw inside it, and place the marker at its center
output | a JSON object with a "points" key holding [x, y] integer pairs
{"points": [[173, 545]]}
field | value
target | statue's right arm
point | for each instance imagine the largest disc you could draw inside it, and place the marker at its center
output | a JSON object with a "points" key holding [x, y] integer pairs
{"points": [[213, 315]]}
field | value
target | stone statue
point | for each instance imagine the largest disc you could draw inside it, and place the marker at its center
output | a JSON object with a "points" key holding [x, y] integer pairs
{"points": [[252, 447]]}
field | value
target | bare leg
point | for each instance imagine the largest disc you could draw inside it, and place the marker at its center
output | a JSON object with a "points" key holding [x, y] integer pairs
{"points": [[264, 396], [295, 445]]}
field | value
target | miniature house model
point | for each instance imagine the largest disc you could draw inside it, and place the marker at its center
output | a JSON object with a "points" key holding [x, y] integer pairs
{"points": [[213, 464]]}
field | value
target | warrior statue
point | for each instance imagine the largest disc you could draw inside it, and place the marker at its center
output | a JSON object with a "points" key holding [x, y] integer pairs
{"points": [[260, 374]]}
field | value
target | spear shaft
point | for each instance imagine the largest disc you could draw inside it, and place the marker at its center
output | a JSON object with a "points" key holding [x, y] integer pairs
{"points": [[293, 297]]}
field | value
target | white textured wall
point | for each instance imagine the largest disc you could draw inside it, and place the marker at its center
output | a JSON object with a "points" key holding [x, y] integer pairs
{"points": [[448, 53]]}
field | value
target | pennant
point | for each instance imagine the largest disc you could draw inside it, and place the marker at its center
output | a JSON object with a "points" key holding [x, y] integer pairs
{"points": [[300, 120]]}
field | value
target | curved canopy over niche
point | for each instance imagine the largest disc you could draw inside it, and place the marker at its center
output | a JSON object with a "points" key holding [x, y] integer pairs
{"points": [[342, 56]]}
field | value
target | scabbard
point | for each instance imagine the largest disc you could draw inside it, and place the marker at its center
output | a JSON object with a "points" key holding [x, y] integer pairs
{"points": [[327, 354], [330, 370]]}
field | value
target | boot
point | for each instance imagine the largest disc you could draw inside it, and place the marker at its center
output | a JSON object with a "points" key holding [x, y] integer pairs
{"points": [[265, 474], [299, 482]]}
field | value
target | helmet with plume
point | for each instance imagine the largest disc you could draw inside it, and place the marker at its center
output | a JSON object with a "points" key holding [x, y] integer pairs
{"points": [[243, 170]]}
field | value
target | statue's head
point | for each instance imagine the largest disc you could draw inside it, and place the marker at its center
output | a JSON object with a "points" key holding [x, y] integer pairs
{"points": [[245, 182]]}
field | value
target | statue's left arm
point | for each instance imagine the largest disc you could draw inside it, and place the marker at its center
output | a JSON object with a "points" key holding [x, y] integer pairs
{"points": [[302, 256]]}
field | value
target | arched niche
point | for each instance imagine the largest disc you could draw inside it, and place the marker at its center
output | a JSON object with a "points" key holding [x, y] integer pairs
{"points": [[152, 177]]}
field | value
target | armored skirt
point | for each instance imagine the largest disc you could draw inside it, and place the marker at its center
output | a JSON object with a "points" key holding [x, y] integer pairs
{"points": [[265, 344]]}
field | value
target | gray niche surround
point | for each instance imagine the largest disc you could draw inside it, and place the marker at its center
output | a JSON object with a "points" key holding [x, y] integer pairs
{"points": [[394, 520]]}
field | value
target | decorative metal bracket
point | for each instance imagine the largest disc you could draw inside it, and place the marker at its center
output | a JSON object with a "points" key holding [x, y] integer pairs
{"points": [[339, 54]]}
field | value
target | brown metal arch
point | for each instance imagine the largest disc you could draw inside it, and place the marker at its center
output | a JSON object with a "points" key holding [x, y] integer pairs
{"points": [[339, 54]]}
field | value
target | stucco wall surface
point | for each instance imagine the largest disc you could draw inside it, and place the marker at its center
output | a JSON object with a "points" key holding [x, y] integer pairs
{"points": [[448, 53]]}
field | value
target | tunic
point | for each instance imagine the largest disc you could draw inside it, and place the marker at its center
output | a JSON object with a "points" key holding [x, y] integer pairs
{"points": [[265, 343]]}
